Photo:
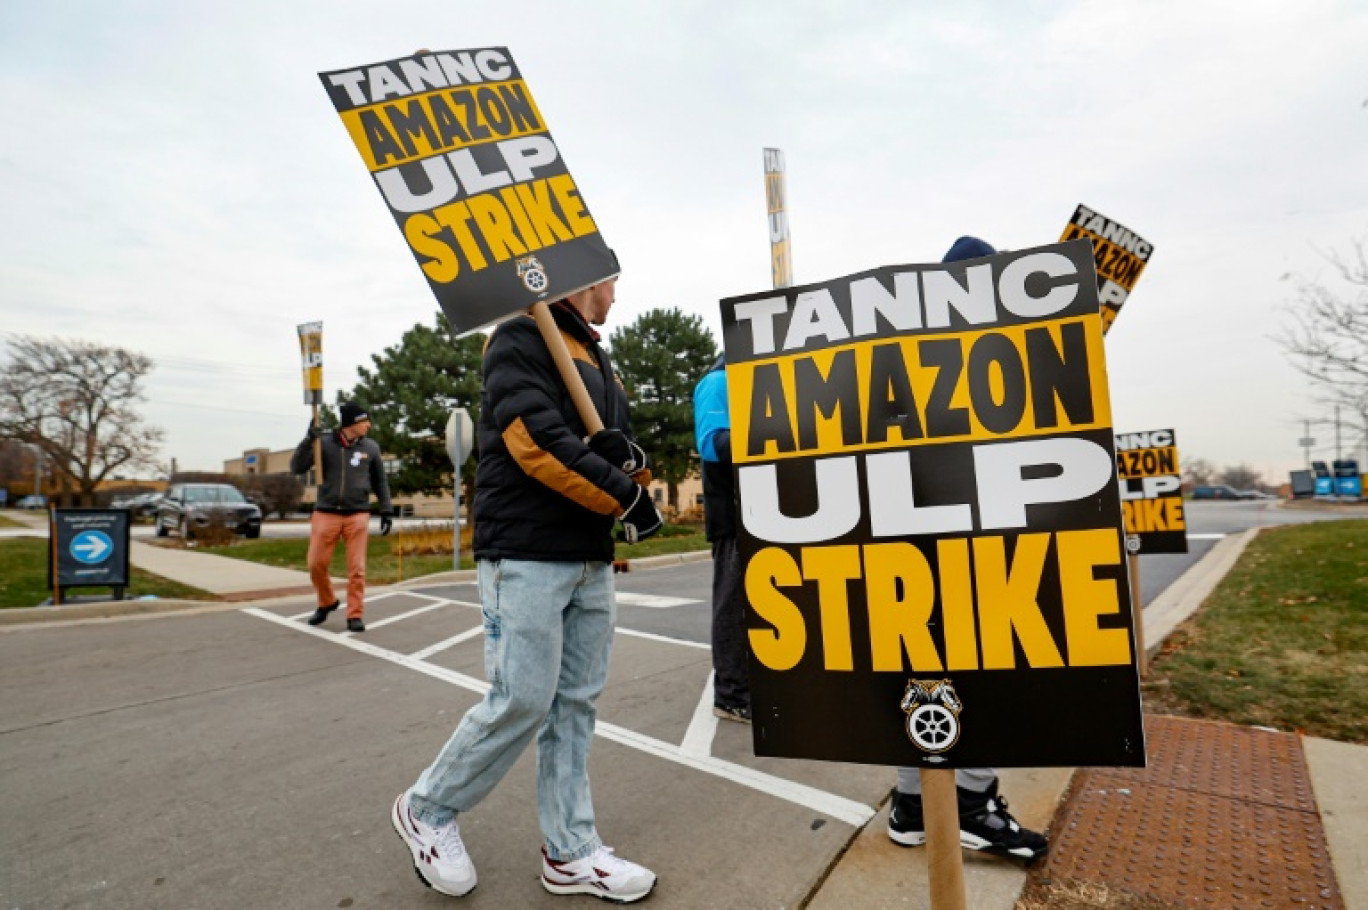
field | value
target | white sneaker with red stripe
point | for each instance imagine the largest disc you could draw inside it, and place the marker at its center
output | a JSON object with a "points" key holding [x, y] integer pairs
{"points": [[601, 874], [439, 857]]}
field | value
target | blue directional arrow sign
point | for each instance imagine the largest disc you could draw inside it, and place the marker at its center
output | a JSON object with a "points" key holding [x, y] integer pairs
{"points": [[89, 550], [91, 547]]}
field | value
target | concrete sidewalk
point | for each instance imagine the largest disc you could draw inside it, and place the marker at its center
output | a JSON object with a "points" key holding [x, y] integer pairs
{"points": [[232, 579]]}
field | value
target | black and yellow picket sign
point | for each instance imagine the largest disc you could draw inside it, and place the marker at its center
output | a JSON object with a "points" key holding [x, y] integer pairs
{"points": [[311, 361], [1120, 256], [776, 211], [462, 155], [1151, 492], [930, 522]]}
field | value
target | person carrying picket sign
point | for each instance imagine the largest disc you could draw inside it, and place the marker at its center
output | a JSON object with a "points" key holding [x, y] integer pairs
{"points": [[352, 470], [546, 500], [984, 822]]}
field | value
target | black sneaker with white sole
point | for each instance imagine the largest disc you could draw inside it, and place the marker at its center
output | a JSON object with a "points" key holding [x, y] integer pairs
{"points": [[906, 825], [985, 825]]}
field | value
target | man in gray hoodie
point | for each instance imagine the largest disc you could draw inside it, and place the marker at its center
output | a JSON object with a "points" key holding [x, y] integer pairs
{"points": [[352, 471]]}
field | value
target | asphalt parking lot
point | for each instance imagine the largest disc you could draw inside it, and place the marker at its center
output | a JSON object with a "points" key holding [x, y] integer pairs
{"points": [[242, 758]]}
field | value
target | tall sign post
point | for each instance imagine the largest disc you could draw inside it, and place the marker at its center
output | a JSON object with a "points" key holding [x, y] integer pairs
{"points": [[930, 521], [463, 158], [776, 207], [311, 360], [460, 440]]}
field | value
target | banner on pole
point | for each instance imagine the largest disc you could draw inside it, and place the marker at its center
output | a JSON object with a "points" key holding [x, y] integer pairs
{"points": [[311, 357], [930, 521], [1120, 256], [463, 158], [1151, 492], [776, 205]]}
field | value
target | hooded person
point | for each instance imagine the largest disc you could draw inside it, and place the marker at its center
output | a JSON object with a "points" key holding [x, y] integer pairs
{"points": [[712, 436], [985, 824], [352, 471]]}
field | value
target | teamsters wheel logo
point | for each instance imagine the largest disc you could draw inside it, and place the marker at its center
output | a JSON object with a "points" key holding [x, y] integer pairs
{"points": [[533, 274], [933, 712]]}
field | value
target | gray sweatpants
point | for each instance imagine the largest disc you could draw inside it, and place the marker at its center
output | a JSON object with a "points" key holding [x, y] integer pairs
{"points": [[976, 779]]}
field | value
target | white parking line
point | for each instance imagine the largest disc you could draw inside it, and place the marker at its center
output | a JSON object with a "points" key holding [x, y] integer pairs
{"points": [[399, 617], [438, 602], [1206, 536], [653, 601], [838, 807], [651, 636], [698, 739], [430, 650]]}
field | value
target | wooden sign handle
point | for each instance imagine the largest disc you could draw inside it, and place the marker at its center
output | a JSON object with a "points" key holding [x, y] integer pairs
{"points": [[318, 454], [944, 862], [1138, 612], [550, 333]]}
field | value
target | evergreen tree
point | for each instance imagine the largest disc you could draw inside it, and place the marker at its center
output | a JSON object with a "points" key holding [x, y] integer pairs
{"points": [[410, 392], [660, 359]]}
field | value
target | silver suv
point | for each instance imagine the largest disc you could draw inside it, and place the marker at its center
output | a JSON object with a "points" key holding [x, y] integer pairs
{"points": [[188, 507]]}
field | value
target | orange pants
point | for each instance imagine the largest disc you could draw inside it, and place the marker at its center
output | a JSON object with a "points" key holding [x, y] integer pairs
{"points": [[324, 530]]}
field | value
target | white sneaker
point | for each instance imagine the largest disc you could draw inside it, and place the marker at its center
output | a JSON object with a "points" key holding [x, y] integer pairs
{"points": [[439, 857], [601, 874]]}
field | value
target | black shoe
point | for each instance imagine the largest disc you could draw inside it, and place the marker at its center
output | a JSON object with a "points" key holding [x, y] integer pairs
{"points": [[739, 713], [321, 614], [355, 625], [986, 825], [906, 825]]}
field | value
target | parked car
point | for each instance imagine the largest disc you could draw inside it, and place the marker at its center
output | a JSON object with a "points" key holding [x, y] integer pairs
{"points": [[1217, 492], [188, 507], [32, 501], [143, 505]]}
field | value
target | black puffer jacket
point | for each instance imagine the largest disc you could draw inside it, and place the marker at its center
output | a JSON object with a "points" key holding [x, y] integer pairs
{"points": [[351, 473], [540, 493]]}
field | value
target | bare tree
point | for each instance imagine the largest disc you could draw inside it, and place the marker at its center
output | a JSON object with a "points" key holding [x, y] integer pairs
{"points": [[1327, 339], [77, 401], [1241, 477], [1199, 472]]}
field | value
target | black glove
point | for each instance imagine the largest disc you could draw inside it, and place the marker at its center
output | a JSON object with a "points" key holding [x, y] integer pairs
{"points": [[641, 520], [313, 431], [386, 522], [614, 447]]}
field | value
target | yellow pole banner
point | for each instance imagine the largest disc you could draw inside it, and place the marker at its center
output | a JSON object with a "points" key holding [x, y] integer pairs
{"points": [[311, 354], [311, 359], [781, 257]]}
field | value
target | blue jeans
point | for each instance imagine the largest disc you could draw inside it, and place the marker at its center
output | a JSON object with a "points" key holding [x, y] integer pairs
{"points": [[548, 631]]}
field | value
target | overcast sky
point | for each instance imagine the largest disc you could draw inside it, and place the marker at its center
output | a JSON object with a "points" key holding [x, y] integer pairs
{"points": [[176, 181]]}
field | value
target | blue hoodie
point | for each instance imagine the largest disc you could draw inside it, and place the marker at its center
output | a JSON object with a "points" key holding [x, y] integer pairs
{"points": [[712, 435]]}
